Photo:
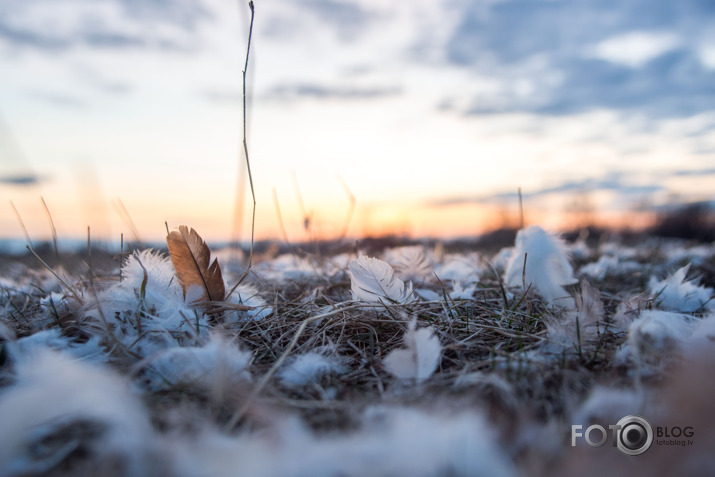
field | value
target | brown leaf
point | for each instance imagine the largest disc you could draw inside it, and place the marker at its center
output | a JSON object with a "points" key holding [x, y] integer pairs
{"points": [[191, 257]]}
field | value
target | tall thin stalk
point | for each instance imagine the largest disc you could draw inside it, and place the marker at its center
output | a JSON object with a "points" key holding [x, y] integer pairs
{"points": [[248, 162]]}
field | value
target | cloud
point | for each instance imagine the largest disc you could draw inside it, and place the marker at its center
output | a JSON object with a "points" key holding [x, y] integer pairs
{"points": [[635, 49], [325, 92], [102, 24], [708, 171], [101, 81], [188, 14], [60, 99], [616, 182], [348, 19], [28, 179], [222, 96], [563, 57]]}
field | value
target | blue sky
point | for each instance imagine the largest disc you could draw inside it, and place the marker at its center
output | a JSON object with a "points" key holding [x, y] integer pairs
{"points": [[432, 113]]}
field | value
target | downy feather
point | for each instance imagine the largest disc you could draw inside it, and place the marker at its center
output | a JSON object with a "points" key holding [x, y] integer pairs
{"points": [[419, 359], [547, 265]]}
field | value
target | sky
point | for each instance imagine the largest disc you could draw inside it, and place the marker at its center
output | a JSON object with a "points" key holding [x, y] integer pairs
{"points": [[365, 117]]}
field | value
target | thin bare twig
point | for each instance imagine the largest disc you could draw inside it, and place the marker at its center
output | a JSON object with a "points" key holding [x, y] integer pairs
{"points": [[521, 210], [248, 162], [22, 224], [124, 214], [52, 226], [351, 209]]}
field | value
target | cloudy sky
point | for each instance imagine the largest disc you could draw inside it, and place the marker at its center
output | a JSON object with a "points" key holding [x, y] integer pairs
{"points": [[430, 114]]}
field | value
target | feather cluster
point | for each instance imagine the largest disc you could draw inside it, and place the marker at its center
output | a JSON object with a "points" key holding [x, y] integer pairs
{"points": [[200, 279], [676, 294]]}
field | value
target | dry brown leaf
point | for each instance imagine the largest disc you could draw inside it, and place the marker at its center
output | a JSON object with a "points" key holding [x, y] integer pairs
{"points": [[191, 257]]}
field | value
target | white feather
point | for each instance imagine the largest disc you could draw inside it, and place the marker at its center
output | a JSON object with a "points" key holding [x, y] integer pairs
{"points": [[66, 417], [420, 357], [656, 338], [676, 294], [547, 265], [411, 263], [216, 363], [373, 280], [392, 441], [463, 268], [309, 367], [578, 327]]}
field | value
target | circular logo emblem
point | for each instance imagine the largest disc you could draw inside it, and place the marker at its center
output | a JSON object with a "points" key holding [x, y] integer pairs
{"points": [[634, 436]]}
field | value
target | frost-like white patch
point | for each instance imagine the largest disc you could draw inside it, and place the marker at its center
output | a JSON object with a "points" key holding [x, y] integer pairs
{"points": [[541, 260], [69, 416], [676, 294], [420, 357]]}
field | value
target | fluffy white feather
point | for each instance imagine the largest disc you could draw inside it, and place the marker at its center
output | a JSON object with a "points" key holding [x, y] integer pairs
{"points": [[394, 441], [149, 298], [373, 280], [608, 265], [607, 405], [676, 294], [548, 268], [309, 367], [465, 268], [655, 338], [216, 364], [703, 338], [65, 417], [578, 328], [411, 263], [420, 356], [462, 292], [27, 348], [246, 294]]}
